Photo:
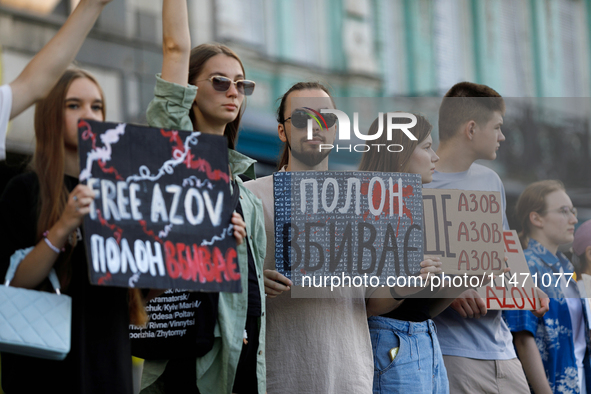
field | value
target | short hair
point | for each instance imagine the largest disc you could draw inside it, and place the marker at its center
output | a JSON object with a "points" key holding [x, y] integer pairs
{"points": [[464, 102]]}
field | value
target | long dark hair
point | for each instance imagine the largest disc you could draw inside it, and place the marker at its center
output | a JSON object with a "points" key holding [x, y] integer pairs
{"points": [[199, 56], [284, 157]]}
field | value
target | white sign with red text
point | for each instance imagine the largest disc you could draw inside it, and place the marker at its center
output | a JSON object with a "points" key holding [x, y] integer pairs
{"points": [[513, 290]]}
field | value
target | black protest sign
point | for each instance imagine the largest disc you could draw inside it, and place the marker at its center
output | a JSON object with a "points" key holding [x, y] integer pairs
{"points": [[465, 228], [348, 223], [162, 211]]}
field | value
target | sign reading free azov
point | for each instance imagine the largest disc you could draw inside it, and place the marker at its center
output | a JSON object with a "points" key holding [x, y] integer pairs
{"points": [[350, 224], [162, 209]]}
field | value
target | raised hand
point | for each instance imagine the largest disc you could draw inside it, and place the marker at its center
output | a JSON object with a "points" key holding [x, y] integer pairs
{"points": [[44, 70]]}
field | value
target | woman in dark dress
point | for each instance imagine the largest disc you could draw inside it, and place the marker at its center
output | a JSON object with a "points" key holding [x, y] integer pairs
{"points": [[44, 209]]}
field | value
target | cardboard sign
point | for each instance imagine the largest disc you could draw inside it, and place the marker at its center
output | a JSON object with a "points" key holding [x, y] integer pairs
{"points": [[514, 289], [465, 228], [161, 216], [350, 223]]}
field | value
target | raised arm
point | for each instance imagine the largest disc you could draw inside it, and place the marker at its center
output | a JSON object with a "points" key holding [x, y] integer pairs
{"points": [[176, 42], [42, 73]]}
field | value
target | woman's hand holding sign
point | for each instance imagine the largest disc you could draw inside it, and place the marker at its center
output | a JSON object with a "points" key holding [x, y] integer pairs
{"points": [[77, 206], [239, 228], [383, 299], [36, 265], [430, 266]]}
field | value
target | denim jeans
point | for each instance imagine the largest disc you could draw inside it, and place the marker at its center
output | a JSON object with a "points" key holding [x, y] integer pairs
{"points": [[418, 366]]}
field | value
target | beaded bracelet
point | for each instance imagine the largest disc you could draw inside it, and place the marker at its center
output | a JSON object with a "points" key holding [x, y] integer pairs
{"points": [[51, 246]]}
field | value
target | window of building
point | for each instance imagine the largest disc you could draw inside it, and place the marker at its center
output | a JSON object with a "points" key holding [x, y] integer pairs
{"points": [[516, 49], [452, 49], [573, 43], [242, 21]]}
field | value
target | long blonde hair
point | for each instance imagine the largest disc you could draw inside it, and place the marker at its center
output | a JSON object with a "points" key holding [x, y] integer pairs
{"points": [[49, 165], [49, 162]]}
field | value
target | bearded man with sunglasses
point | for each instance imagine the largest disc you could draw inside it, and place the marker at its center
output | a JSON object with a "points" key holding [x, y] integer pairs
{"points": [[314, 345], [306, 154]]}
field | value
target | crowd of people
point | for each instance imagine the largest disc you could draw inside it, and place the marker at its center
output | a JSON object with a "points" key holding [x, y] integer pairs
{"points": [[265, 340]]}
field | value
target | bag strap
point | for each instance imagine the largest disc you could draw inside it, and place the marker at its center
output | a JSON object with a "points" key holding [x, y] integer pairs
{"points": [[16, 259], [235, 196]]}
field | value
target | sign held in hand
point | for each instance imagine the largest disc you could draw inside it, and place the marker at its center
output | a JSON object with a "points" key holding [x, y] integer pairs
{"points": [[347, 224], [465, 228], [514, 289], [161, 216]]}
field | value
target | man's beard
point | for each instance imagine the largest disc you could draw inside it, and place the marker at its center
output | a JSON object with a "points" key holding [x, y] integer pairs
{"points": [[309, 159]]}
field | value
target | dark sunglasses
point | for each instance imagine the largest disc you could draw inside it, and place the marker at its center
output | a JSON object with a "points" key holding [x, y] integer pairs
{"points": [[299, 118], [222, 84]]}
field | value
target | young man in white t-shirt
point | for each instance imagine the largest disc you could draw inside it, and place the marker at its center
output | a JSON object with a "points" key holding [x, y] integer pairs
{"points": [[476, 344], [44, 70]]}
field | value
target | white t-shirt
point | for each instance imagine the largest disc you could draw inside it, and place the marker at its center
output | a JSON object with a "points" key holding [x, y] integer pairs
{"points": [[5, 108]]}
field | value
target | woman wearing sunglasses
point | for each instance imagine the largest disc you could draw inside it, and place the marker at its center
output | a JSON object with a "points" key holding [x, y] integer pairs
{"points": [[554, 349], [204, 89]]}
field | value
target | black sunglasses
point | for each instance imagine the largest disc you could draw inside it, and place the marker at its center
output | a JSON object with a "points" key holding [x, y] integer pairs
{"points": [[222, 84], [299, 118]]}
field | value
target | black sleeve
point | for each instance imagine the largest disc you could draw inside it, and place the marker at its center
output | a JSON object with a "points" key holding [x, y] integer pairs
{"points": [[18, 218]]}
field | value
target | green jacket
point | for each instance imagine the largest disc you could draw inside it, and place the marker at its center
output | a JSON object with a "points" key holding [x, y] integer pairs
{"points": [[216, 370]]}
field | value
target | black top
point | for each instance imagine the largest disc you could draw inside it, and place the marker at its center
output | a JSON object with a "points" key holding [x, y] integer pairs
{"points": [[100, 357], [254, 295], [414, 309]]}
